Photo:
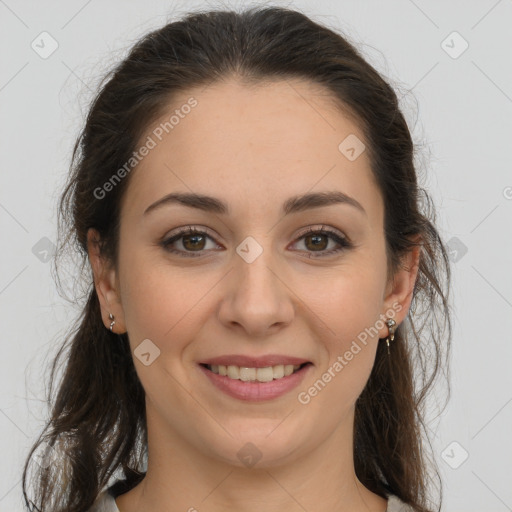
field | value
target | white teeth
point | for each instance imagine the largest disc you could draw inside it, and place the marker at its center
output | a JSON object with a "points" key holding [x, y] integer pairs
{"points": [[251, 374]]}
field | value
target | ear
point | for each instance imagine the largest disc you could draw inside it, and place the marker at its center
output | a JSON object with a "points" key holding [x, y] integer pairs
{"points": [[399, 291], [106, 284]]}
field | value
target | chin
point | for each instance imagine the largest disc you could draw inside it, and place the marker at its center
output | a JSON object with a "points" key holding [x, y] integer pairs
{"points": [[259, 448]]}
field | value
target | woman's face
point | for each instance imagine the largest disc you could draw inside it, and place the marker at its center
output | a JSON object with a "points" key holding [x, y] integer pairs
{"points": [[254, 282]]}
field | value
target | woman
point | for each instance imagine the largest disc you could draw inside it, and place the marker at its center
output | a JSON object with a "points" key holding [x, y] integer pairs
{"points": [[245, 195]]}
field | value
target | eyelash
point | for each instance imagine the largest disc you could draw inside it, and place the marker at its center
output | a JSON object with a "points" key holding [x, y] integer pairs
{"points": [[343, 242]]}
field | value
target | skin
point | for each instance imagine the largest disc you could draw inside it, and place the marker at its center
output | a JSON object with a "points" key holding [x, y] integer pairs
{"points": [[252, 147]]}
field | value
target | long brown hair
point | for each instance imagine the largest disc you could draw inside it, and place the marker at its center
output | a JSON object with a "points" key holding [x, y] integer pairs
{"points": [[96, 429]]}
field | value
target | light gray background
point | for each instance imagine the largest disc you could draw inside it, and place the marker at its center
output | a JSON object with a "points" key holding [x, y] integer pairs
{"points": [[462, 118]]}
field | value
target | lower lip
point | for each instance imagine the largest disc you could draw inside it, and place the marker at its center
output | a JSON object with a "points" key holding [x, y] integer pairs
{"points": [[254, 391]]}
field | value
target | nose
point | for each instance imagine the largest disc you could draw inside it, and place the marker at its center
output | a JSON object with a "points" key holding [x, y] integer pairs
{"points": [[257, 300]]}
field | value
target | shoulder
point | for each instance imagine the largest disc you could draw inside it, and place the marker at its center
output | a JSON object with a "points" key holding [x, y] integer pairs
{"points": [[104, 503], [395, 504]]}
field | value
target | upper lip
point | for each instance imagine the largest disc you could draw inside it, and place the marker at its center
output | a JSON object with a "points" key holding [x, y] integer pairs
{"points": [[253, 361]]}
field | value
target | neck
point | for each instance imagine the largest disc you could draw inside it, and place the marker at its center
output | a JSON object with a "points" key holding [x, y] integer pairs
{"points": [[180, 477]]}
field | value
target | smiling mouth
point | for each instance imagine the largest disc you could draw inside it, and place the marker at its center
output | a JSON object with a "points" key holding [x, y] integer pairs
{"points": [[266, 374]]}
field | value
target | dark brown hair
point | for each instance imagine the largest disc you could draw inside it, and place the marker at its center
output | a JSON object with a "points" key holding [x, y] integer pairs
{"points": [[96, 429]]}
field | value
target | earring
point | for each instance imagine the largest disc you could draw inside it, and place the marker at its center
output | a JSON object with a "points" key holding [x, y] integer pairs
{"points": [[391, 326], [113, 322]]}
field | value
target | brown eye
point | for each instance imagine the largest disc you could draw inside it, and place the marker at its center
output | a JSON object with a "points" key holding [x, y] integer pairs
{"points": [[317, 241], [194, 242], [191, 241]]}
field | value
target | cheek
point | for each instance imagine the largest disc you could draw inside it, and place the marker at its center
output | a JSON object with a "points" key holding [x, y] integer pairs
{"points": [[347, 300], [348, 309], [161, 302]]}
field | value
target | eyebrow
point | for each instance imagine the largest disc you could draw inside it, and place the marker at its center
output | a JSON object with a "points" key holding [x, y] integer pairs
{"points": [[294, 204]]}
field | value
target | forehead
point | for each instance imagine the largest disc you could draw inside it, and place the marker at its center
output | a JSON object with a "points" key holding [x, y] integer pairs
{"points": [[245, 143]]}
